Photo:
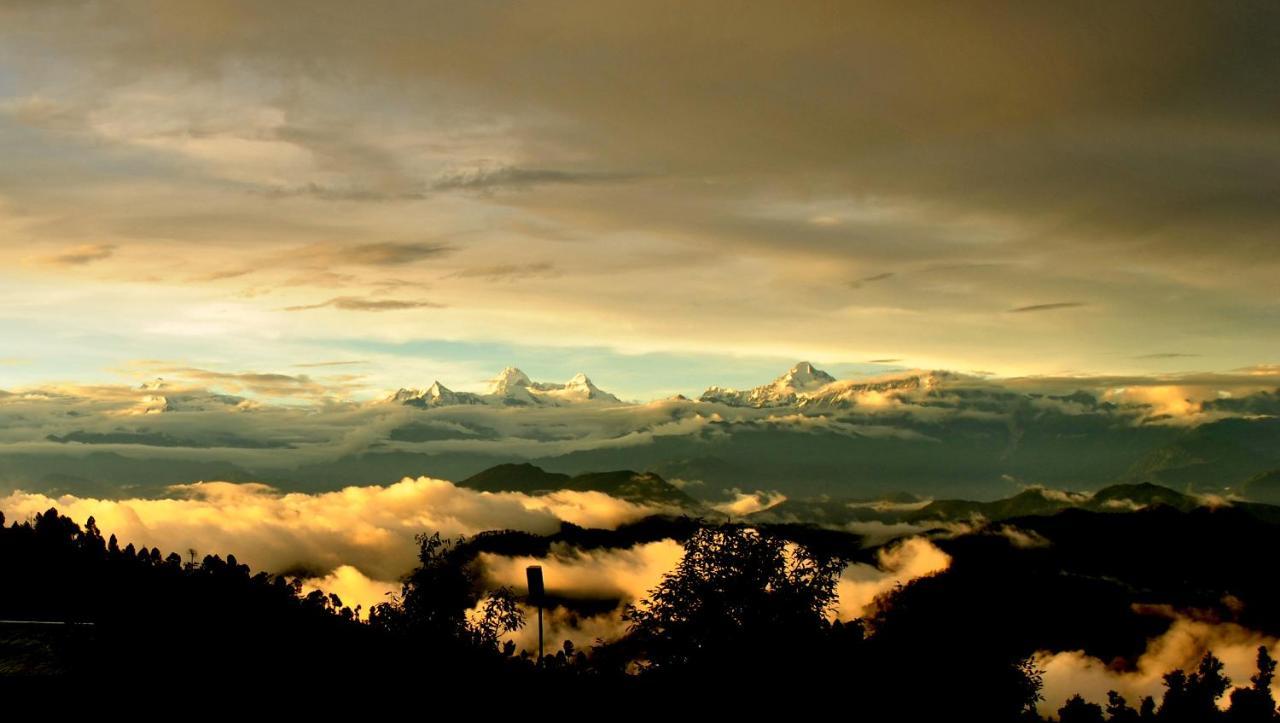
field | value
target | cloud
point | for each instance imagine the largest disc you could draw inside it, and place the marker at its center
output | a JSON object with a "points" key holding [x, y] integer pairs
{"points": [[624, 574], [1166, 355], [221, 275], [123, 144], [374, 254], [898, 564], [746, 503], [370, 529], [343, 193], [858, 284], [628, 575], [1180, 647], [1047, 307], [486, 178], [353, 303], [80, 255], [353, 588], [270, 384], [506, 271]]}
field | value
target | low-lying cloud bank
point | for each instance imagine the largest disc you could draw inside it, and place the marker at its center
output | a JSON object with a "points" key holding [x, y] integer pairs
{"points": [[1180, 647], [627, 575], [897, 564], [370, 529], [358, 542]]}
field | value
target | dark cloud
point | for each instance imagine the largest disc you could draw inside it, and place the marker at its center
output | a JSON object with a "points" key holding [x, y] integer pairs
{"points": [[372, 254], [883, 361], [506, 271], [354, 303], [80, 255], [1047, 307], [220, 275], [871, 279], [391, 254], [1166, 355], [263, 383], [344, 193], [511, 177], [1040, 151]]}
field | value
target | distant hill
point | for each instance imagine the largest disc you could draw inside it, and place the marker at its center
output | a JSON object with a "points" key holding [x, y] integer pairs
{"points": [[1222, 454], [640, 487], [525, 478], [1263, 487], [1033, 502]]}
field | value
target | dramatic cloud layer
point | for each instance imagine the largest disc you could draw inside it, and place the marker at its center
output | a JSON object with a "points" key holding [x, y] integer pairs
{"points": [[370, 529], [897, 564], [1180, 647], [359, 542], [843, 182]]}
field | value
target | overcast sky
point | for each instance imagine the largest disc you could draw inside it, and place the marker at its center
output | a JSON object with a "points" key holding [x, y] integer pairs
{"points": [[663, 195]]}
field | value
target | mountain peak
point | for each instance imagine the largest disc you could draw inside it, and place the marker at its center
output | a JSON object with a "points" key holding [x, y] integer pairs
{"points": [[507, 380], [803, 377]]}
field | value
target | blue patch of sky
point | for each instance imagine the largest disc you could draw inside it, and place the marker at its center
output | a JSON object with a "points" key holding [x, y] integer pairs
{"points": [[34, 354]]}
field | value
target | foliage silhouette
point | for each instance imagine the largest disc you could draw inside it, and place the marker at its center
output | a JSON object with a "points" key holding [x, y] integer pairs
{"points": [[746, 611]]}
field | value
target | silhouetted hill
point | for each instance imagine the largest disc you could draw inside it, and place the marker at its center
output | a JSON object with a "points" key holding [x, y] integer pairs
{"points": [[1142, 494], [523, 477], [641, 487], [1221, 454], [1263, 487], [1029, 502]]}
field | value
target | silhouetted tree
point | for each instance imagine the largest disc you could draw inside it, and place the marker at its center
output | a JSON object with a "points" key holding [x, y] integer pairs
{"points": [[1079, 710], [738, 598], [1255, 703], [436, 596], [1193, 698], [1119, 710]]}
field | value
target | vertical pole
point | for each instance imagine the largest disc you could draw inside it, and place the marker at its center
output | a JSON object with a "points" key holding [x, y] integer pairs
{"points": [[536, 593]]}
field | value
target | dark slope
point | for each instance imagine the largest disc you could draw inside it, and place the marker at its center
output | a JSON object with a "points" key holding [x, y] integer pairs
{"points": [[1222, 454], [642, 487], [524, 478]]}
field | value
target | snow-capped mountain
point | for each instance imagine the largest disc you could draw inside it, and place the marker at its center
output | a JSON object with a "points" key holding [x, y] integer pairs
{"points": [[875, 392], [436, 395], [796, 384], [511, 388], [803, 385]]}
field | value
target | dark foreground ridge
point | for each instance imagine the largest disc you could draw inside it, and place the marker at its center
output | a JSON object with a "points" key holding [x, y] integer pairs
{"points": [[741, 623]]}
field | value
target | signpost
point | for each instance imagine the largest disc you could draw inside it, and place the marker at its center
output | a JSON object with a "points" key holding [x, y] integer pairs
{"points": [[536, 593]]}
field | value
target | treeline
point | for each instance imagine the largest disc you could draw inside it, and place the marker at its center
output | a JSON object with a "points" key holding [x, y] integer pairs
{"points": [[741, 625]]}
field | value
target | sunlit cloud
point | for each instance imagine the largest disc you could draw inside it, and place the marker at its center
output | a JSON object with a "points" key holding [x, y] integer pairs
{"points": [[352, 303], [1047, 307], [371, 529], [79, 255], [1179, 648]]}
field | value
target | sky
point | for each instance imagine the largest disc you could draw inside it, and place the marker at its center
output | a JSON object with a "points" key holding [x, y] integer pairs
{"points": [[663, 195]]}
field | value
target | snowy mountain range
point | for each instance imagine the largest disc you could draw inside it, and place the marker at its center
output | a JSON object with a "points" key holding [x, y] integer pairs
{"points": [[804, 433], [511, 388], [801, 386]]}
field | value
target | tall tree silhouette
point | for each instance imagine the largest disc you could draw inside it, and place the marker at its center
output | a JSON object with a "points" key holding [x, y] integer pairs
{"points": [[1255, 704], [737, 595], [1194, 698]]}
